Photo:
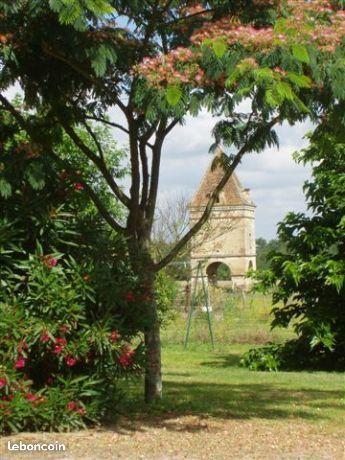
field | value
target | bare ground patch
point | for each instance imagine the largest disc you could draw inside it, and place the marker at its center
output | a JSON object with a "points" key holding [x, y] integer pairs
{"points": [[192, 437]]}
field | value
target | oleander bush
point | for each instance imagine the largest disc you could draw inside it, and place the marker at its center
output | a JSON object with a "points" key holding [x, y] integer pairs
{"points": [[61, 353], [71, 311]]}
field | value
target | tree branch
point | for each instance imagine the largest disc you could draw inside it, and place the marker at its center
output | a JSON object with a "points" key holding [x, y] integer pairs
{"points": [[97, 162], [90, 192], [49, 151], [50, 52], [94, 137], [135, 185], [155, 167], [107, 122]]}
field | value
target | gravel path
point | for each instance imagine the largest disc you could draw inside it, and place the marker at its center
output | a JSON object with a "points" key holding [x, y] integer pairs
{"points": [[194, 438]]}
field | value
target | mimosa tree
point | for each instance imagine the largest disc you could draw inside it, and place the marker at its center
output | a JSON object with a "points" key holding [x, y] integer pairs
{"points": [[156, 62]]}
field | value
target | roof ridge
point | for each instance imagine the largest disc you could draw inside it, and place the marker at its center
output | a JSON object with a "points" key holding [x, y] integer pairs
{"points": [[233, 192]]}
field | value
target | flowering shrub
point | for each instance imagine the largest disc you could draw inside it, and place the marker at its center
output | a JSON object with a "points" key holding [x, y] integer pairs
{"points": [[61, 358], [65, 337]]}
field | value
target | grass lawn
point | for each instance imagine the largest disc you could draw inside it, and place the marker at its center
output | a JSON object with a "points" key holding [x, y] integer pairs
{"points": [[202, 381], [215, 410], [234, 320]]}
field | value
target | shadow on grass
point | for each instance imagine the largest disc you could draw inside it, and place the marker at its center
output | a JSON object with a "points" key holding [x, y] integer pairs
{"points": [[228, 360], [228, 401], [184, 396]]}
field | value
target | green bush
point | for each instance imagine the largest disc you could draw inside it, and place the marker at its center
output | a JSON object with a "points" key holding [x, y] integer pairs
{"points": [[307, 279], [61, 355], [71, 310], [262, 359]]}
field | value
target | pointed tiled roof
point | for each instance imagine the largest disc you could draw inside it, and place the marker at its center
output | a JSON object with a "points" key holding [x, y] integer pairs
{"points": [[232, 194]]}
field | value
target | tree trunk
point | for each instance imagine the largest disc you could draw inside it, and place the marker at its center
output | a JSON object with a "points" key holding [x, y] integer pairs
{"points": [[153, 373], [142, 265]]}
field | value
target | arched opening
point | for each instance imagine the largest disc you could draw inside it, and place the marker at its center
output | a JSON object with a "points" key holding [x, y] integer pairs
{"points": [[250, 266], [218, 271]]}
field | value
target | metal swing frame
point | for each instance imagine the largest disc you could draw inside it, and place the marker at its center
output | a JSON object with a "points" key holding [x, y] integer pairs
{"points": [[206, 297]]}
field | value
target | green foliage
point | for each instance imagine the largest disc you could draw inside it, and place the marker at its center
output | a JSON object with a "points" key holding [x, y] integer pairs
{"points": [[264, 249], [300, 52], [66, 327], [100, 58], [61, 346], [75, 12], [219, 48], [173, 94], [309, 276], [166, 290], [262, 359]]}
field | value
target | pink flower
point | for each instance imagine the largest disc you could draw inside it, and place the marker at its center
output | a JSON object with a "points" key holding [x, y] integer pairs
{"points": [[50, 262], [44, 337], [20, 363], [126, 359], [78, 186], [53, 262], [3, 383], [64, 328], [57, 349], [81, 411], [70, 361], [30, 397], [72, 405]]}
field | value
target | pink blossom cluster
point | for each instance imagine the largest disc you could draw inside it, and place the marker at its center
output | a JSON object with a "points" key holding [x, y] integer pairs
{"points": [[178, 66], [75, 407], [233, 32], [316, 23], [308, 23], [126, 358]]}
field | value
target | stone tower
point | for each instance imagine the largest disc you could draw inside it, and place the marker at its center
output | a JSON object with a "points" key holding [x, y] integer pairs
{"points": [[229, 235]]}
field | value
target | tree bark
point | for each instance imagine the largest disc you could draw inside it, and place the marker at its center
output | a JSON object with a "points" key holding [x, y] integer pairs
{"points": [[153, 373], [142, 265]]}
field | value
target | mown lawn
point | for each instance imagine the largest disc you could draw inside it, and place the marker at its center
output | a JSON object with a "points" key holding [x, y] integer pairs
{"points": [[201, 381], [215, 410]]}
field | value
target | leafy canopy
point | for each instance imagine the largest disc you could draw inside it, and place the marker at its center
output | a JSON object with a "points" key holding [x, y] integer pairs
{"points": [[309, 276]]}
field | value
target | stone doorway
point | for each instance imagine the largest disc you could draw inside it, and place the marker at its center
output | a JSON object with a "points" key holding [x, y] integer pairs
{"points": [[218, 271]]}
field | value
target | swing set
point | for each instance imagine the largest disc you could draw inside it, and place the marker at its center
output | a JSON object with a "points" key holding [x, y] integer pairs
{"points": [[199, 277]]}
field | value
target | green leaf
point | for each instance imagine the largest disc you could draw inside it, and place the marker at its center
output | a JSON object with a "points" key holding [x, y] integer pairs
{"points": [[337, 78], [219, 48], [302, 81], [5, 188], [280, 26], [270, 98], [35, 176], [284, 90], [300, 53], [173, 94], [264, 74]]}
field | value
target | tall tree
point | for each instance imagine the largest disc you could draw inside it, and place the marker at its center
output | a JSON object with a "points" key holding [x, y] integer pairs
{"points": [[155, 62], [308, 278]]}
